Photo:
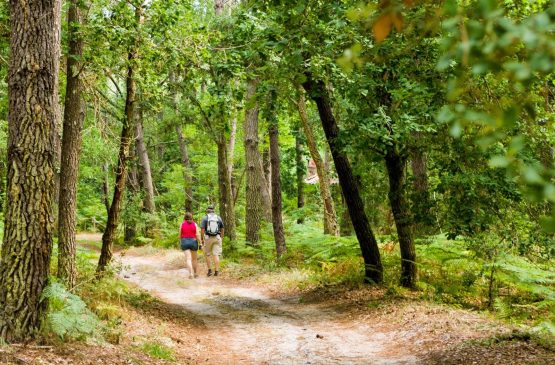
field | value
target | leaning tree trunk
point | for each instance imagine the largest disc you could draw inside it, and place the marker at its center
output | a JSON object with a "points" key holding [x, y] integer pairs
{"points": [[368, 245], [330, 217], [277, 219], [144, 163], [74, 114], [253, 194], [300, 174], [395, 165], [186, 168], [33, 117], [123, 156]]}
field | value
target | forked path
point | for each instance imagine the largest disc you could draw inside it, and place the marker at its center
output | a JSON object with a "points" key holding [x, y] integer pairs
{"points": [[246, 326]]}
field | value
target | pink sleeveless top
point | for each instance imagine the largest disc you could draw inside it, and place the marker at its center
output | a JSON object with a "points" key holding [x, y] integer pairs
{"points": [[188, 230]]}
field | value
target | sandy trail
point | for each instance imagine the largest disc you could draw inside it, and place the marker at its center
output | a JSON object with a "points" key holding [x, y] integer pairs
{"points": [[254, 328]]}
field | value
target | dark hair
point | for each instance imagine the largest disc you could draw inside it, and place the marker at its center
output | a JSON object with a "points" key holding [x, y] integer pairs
{"points": [[188, 216]]}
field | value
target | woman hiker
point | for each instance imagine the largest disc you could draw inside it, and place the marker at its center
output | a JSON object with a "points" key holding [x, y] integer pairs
{"points": [[189, 244]]}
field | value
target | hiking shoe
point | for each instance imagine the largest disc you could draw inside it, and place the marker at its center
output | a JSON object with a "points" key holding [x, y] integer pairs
{"points": [[215, 273], [191, 276], [209, 272], [196, 276]]}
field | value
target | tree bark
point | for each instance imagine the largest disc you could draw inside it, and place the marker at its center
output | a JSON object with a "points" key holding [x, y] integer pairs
{"points": [[186, 162], [144, 162], [395, 164], [365, 236], [253, 193], [123, 156], [227, 210], [421, 196], [74, 115], [330, 217], [277, 219], [33, 117], [300, 174]]}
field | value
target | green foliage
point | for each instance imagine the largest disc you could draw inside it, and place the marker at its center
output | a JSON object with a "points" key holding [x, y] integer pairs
{"points": [[68, 316], [158, 350]]}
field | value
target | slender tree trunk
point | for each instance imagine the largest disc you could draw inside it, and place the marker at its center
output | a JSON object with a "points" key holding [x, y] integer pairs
{"points": [[253, 194], [130, 223], [330, 217], [123, 156], [144, 162], [231, 147], [277, 219], [33, 117], [395, 165], [346, 226], [300, 174], [74, 114], [365, 236], [264, 189], [106, 188], [187, 169], [227, 211]]}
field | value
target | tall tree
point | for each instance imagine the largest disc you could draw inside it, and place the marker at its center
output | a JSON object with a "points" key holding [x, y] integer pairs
{"points": [[123, 156], [300, 172], [367, 241], [33, 116], [254, 208], [144, 162], [330, 217], [186, 168], [74, 114], [277, 220]]}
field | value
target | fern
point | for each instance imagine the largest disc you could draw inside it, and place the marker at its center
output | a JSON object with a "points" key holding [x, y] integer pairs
{"points": [[68, 316]]}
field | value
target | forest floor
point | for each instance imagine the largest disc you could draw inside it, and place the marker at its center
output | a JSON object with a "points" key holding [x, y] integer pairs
{"points": [[221, 320]]}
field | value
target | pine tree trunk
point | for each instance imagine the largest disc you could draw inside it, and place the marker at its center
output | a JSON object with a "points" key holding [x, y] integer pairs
{"points": [[186, 168], [144, 162], [277, 219], [300, 175], [227, 211], [33, 117], [123, 156], [74, 114], [330, 217], [365, 236], [253, 194], [395, 165]]}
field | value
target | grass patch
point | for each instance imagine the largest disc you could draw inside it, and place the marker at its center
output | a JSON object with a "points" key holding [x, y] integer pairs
{"points": [[158, 350]]}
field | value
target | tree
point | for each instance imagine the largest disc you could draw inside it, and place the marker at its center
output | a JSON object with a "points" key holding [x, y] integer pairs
{"points": [[126, 140], [74, 115], [367, 241], [33, 117], [330, 217]]}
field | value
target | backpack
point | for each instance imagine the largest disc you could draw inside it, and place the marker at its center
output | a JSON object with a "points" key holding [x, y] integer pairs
{"points": [[212, 225]]}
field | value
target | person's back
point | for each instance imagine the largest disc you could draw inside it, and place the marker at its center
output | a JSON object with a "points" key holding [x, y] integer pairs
{"points": [[212, 226]]}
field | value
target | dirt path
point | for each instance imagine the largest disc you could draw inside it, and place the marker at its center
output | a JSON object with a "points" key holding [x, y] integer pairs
{"points": [[247, 324], [257, 329]]}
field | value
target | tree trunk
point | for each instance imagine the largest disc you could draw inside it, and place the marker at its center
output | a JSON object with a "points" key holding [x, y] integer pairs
{"points": [[144, 162], [300, 174], [330, 217], [365, 236], [33, 117], [186, 169], [218, 7], [277, 219], [123, 156], [74, 114], [395, 165], [106, 188], [227, 211], [253, 194], [346, 226]]}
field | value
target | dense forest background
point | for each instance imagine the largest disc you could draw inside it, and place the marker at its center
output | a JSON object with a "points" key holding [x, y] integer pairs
{"points": [[406, 142]]}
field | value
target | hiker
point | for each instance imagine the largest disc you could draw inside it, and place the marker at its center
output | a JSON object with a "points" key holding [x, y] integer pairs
{"points": [[212, 227], [189, 244]]}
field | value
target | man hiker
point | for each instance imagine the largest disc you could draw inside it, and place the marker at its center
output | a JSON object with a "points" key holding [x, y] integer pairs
{"points": [[212, 231]]}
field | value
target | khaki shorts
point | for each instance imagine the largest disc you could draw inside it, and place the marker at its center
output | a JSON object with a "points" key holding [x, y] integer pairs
{"points": [[213, 246]]}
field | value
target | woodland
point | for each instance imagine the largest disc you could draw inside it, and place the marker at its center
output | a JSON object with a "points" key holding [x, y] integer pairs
{"points": [[402, 150]]}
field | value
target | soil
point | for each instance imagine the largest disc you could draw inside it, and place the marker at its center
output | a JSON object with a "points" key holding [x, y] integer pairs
{"points": [[220, 320]]}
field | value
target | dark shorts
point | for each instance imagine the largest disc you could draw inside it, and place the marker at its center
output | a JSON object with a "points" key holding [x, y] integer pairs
{"points": [[189, 244]]}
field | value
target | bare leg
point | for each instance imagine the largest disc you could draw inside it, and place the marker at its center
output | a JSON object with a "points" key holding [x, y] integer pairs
{"points": [[189, 263], [194, 257], [216, 263]]}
